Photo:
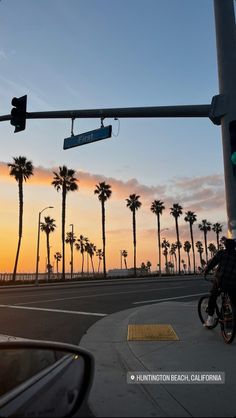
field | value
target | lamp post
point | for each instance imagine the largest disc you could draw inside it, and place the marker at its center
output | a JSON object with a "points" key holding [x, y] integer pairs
{"points": [[72, 248], [37, 256]]}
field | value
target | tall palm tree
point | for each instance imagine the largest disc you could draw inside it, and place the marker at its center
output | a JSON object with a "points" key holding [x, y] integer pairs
{"points": [[80, 246], [134, 204], [125, 255], [217, 228], [205, 226], [200, 251], [70, 239], [187, 248], [104, 192], [191, 217], [65, 181], [165, 244], [176, 211], [57, 257], [157, 207], [48, 226], [99, 254], [22, 169]]}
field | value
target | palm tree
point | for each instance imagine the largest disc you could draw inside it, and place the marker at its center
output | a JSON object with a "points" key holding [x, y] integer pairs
{"points": [[80, 246], [212, 249], [176, 211], [22, 170], [173, 249], [125, 255], [165, 244], [217, 228], [65, 181], [48, 226], [104, 192], [70, 239], [57, 257], [200, 251], [157, 207], [134, 204], [187, 248], [99, 254], [86, 249], [205, 226], [191, 217], [91, 249]]}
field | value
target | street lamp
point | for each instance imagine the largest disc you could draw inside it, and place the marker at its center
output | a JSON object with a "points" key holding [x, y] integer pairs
{"points": [[37, 256], [72, 247]]}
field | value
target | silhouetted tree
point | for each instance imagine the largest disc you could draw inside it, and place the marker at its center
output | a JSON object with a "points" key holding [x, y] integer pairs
{"points": [[134, 204], [191, 217], [217, 228], [48, 226], [205, 226], [176, 211]]}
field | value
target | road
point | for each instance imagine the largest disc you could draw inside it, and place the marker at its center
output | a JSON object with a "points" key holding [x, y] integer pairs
{"points": [[64, 312]]}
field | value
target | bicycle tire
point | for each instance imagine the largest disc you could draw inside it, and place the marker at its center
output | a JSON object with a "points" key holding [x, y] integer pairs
{"points": [[203, 311], [228, 321]]}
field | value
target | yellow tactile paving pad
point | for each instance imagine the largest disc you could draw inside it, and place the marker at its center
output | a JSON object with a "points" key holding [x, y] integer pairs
{"points": [[151, 332]]}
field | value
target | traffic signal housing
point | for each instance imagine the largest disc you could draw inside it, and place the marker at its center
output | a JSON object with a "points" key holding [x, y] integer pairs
{"points": [[18, 113]]}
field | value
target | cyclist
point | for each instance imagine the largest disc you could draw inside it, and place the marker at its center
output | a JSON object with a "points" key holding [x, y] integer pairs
{"points": [[225, 276]]}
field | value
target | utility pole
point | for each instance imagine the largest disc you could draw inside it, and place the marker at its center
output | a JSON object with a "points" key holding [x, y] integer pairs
{"points": [[226, 56]]}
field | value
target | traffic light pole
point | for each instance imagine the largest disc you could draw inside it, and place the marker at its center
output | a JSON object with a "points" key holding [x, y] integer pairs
{"points": [[202, 110], [226, 57]]}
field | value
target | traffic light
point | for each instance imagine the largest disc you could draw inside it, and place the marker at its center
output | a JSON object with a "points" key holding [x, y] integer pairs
{"points": [[18, 113], [232, 132]]}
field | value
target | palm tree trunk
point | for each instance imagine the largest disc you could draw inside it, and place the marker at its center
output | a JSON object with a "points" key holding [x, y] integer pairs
{"points": [[20, 227], [48, 256], [217, 240], [176, 267], [166, 264], [177, 235], [134, 242], [125, 263], [99, 262], [104, 239], [63, 230], [205, 240], [159, 242], [189, 265], [82, 268], [194, 260], [92, 264]]}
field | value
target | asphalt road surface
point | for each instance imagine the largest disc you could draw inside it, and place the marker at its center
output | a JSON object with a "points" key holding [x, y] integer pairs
{"points": [[64, 312]]}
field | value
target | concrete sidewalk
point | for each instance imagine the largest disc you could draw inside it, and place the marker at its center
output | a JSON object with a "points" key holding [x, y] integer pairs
{"points": [[198, 349]]}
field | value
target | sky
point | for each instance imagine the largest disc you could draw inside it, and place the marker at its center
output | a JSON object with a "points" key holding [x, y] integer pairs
{"points": [[92, 54]]}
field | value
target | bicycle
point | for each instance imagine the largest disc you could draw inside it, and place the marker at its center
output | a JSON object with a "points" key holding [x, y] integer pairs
{"points": [[225, 314]]}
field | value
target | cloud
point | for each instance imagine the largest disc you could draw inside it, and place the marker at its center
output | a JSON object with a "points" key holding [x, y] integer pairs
{"points": [[197, 194]]}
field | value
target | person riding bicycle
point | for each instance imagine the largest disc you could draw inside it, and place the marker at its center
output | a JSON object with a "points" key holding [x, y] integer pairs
{"points": [[225, 276]]}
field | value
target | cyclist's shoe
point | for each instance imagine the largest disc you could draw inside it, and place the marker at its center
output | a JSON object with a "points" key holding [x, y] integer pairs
{"points": [[209, 322]]}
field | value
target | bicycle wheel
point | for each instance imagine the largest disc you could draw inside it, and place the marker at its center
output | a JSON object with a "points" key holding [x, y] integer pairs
{"points": [[203, 311], [228, 321]]}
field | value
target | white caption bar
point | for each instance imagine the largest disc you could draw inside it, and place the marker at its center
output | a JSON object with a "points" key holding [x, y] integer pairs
{"points": [[173, 377]]}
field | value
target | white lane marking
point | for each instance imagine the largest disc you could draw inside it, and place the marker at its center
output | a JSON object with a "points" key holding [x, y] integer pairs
{"points": [[97, 295], [54, 310], [165, 299]]}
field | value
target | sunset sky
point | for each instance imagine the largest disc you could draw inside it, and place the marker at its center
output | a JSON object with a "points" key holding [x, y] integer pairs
{"points": [[87, 54]]}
